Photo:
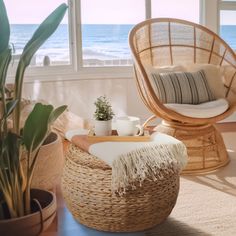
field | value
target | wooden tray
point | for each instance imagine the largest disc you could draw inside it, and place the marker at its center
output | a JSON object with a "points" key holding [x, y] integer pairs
{"points": [[115, 138]]}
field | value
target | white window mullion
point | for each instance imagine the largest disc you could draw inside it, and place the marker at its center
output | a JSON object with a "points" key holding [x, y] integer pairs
{"points": [[148, 9], [210, 17], [202, 13], [72, 44], [77, 35]]}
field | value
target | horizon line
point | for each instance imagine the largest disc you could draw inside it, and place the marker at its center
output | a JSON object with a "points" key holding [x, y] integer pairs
{"points": [[101, 24]]}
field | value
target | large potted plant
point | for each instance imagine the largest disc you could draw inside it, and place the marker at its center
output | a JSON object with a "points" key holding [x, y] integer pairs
{"points": [[103, 117], [48, 171], [24, 210]]}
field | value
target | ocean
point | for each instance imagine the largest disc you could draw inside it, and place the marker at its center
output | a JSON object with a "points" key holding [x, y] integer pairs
{"points": [[228, 33], [100, 42]]}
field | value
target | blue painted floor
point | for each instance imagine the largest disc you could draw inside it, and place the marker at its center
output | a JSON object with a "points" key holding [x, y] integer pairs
{"points": [[68, 226]]}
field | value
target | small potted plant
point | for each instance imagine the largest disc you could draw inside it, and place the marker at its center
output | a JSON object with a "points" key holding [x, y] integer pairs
{"points": [[103, 117]]}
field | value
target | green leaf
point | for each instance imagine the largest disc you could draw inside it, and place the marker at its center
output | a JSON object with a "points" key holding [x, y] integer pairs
{"points": [[56, 113], [1, 198], [44, 31], [13, 146], [36, 126], [2, 215], [10, 147], [10, 171], [10, 107], [4, 28], [5, 58]]}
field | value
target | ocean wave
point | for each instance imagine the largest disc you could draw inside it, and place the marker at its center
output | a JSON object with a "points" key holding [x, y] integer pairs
{"points": [[89, 53]]}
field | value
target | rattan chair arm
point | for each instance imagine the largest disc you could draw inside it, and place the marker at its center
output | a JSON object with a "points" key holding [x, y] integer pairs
{"points": [[151, 118]]}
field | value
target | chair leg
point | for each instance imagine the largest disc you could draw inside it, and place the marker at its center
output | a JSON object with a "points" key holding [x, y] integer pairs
{"points": [[205, 145]]}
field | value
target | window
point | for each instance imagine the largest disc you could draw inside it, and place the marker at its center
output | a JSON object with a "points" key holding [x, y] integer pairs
{"points": [[24, 20], [227, 28], [182, 9], [106, 25], [93, 34], [105, 28]]}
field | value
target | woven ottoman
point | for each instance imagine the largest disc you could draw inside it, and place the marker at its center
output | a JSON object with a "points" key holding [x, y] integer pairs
{"points": [[86, 188]]}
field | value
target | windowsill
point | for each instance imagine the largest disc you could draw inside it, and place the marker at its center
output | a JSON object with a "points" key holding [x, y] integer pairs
{"points": [[68, 73]]}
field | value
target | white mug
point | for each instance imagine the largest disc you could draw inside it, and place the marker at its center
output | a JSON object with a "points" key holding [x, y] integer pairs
{"points": [[128, 126]]}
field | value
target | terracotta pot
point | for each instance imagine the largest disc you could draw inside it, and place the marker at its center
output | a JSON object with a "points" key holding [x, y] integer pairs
{"points": [[32, 225], [49, 165]]}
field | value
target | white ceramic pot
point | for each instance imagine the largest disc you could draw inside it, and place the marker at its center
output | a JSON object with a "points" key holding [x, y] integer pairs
{"points": [[102, 127]]}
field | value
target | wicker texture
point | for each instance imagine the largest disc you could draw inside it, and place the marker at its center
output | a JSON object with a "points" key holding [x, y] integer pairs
{"points": [[164, 42], [206, 148], [50, 162], [86, 187]]}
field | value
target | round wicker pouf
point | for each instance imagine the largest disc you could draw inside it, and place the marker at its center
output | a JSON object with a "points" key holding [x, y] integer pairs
{"points": [[86, 188]]}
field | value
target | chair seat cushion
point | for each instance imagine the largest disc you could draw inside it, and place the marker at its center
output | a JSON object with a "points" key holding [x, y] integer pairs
{"points": [[203, 110]]}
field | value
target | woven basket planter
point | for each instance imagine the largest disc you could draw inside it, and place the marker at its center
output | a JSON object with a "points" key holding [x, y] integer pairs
{"points": [[50, 163], [86, 187]]}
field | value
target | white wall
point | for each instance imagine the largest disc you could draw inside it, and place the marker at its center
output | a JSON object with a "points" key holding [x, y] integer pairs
{"points": [[80, 95]]}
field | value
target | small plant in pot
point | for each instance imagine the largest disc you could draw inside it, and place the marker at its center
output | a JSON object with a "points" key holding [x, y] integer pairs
{"points": [[24, 210], [103, 117]]}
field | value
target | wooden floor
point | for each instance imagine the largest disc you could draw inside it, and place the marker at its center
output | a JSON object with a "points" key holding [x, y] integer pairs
{"points": [[65, 225], [227, 127]]}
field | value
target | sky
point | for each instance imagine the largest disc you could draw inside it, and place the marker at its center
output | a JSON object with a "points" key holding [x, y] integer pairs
{"points": [[109, 11], [30, 11]]}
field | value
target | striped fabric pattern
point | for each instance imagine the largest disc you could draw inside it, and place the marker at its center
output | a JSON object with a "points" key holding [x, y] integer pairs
{"points": [[182, 87]]}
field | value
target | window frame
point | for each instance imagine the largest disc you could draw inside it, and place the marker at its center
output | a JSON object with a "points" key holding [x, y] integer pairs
{"points": [[227, 5], [75, 70], [224, 6]]}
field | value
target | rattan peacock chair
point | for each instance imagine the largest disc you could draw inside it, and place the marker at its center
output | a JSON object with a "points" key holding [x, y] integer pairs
{"points": [[164, 42]]}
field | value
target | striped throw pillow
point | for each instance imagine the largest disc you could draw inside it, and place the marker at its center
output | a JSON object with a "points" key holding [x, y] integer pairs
{"points": [[182, 87]]}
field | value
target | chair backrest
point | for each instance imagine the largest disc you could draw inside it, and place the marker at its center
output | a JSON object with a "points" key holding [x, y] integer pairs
{"points": [[166, 41]]}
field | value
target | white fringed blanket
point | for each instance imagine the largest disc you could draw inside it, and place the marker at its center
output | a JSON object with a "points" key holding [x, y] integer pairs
{"points": [[133, 162]]}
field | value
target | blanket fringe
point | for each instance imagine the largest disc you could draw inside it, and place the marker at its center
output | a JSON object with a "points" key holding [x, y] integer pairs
{"points": [[147, 163]]}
